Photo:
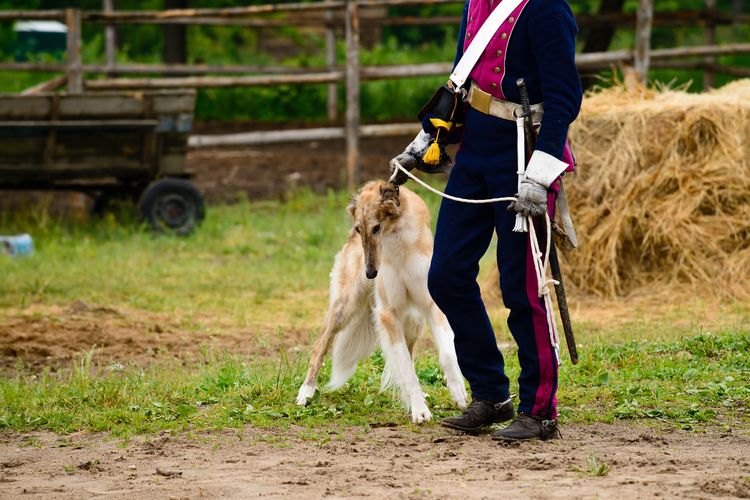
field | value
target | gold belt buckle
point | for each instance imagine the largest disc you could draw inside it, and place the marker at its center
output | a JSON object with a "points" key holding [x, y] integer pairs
{"points": [[480, 100]]}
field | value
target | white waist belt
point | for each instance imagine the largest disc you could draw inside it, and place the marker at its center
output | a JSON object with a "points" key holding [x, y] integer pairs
{"points": [[485, 103]]}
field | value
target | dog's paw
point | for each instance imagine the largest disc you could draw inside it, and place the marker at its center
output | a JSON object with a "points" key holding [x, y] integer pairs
{"points": [[457, 390], [420, 413], [305, 393]]}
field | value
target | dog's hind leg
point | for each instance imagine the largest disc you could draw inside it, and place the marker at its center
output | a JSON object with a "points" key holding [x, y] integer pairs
{"points": [[353, 343], [337, 316], [399, 367]]}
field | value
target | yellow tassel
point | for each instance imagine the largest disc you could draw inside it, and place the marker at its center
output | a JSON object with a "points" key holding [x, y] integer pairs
{"points": [[432, 156]]}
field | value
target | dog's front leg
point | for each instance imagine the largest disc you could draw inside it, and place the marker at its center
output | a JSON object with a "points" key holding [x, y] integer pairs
{"points": [[443, 335], [441, 331], [399, 365]]}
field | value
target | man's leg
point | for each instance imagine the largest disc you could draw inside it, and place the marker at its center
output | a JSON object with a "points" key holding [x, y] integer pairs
{"points": [[528, 324], [463, 235]]}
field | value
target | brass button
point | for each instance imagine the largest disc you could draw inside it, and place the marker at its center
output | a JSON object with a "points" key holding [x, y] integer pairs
{"points": [[511, 20], [497, 69], [493, 85], [499, 53], [504, 36]]}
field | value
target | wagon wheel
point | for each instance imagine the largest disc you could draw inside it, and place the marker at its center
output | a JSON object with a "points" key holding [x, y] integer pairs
{"points": [[172, 206], [101, 204]]}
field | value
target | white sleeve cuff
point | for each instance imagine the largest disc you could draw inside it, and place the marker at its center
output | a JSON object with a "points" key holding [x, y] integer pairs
{"points": [[544, 168]]}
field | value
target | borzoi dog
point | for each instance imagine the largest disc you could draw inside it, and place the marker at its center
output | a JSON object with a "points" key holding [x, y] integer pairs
{"points": [[378, 295]]}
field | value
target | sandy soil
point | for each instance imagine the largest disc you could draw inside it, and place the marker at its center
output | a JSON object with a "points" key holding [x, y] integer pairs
{"points": [[51, 336], [385, 462]]}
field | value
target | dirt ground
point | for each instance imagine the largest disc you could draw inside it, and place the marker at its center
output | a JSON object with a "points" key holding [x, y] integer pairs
{"points": [[385, 462], [269, 171], [51, 336], [259, 172]]}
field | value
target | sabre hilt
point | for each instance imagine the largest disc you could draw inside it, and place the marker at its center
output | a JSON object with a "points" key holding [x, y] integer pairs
{"points": [[528, 119], [525, 102]]}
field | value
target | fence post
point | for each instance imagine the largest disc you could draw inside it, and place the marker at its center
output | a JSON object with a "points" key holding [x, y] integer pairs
{"points": [[738, 6], [708, 75], [73, 51], [352, 94], [110, 47], [331, 64], [643, 39]]}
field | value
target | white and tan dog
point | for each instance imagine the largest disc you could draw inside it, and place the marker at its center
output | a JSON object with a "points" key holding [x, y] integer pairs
{"points": [[378, 295]]}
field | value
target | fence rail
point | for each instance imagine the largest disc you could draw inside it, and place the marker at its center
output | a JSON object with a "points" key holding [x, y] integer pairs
{"points": [[328, 17], [315, 14]]}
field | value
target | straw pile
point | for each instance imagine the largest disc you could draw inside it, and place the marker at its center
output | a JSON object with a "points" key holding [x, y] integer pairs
{"points": [[661, 198]]}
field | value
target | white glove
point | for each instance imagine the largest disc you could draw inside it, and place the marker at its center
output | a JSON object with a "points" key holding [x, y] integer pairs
{"points": [[532, 199], [541, 172]]}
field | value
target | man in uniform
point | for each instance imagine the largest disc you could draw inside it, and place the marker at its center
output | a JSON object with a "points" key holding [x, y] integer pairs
{"points": [[536, 43]]}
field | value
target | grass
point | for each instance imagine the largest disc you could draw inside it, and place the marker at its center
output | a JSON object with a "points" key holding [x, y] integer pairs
{"points": [[255, 265], [259, 265], [242, 264], [596, 468], [700, 381]]}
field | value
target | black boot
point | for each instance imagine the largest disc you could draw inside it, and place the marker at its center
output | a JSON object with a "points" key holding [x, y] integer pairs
{"points": [[480, 414], [527, 427]]}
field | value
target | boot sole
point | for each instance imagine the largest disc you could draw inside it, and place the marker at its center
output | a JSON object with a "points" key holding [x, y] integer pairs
{"points": [[515, 440], [468, 430], [473, 430], [521, 440]]}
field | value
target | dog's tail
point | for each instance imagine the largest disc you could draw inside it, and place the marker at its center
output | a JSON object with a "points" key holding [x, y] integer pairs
{"points": [[352, 344]]}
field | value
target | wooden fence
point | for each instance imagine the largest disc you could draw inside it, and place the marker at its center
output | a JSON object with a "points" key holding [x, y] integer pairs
{"points": [[327, 16]]}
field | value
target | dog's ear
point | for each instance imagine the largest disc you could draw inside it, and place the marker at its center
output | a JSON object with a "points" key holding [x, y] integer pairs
{"points": [[390, 203], [352, 206]]}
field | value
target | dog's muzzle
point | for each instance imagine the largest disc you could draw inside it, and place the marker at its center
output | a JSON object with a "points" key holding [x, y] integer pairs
{"points": [[371, 273]]}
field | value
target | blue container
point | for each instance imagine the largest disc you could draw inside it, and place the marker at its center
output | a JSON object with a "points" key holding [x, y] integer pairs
{"points": [[15, 246]]}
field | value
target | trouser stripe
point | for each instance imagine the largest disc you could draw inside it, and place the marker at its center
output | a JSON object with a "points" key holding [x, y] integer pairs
{"points": [[544, 400]]}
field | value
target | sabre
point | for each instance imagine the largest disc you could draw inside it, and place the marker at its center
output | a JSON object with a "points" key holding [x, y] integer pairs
{"points": [[562, 301]]}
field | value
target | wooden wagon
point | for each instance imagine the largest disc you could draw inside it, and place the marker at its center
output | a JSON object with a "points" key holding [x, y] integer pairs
{"points": [[113, 144]]}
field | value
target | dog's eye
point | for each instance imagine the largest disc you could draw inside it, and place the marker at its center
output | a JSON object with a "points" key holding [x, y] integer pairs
{"points": [[376, 229], [356, 228]]}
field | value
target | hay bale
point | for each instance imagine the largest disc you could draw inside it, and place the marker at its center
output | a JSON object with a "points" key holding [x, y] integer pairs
{"points": [[661, 197], [662, 192]]}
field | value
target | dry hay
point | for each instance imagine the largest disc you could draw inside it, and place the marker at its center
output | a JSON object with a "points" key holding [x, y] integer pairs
{"points": [[661, 196]]}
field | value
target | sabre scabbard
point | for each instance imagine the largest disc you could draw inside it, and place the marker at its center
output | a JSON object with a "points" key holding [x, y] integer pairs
{"points": [[562, 300]]}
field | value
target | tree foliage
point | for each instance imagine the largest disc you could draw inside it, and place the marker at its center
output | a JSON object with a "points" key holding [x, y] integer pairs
{"points": [[397, 45]]}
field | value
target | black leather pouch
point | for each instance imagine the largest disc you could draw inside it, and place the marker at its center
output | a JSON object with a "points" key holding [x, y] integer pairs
{"points": [[444, 104]]}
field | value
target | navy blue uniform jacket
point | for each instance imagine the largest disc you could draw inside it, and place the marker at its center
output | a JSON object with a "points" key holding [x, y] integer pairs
{"points": [[539, 45]]}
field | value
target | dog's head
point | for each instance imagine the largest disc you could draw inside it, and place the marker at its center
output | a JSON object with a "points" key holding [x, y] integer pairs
{"points": [[374, 210]]}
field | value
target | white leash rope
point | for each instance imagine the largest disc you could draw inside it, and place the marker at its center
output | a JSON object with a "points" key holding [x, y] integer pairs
{"points": [[540, 259], [446, 195], [540, 266]]}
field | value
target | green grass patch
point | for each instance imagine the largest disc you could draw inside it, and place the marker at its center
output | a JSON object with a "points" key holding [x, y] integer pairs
{"points": [[244, 256], [261, 264], [700, 381]]}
